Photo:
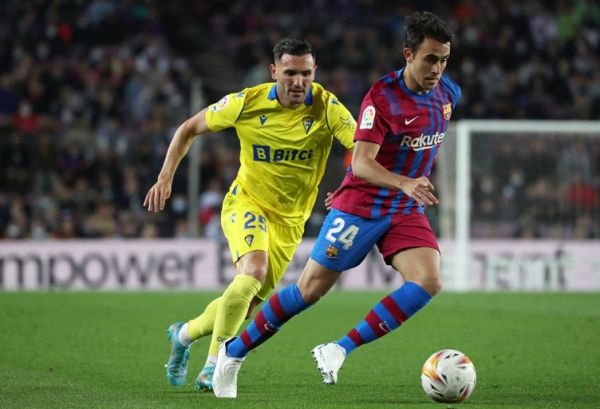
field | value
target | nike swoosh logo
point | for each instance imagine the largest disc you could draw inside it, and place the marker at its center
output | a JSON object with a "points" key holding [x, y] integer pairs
{"points": [[270, 327], [409, 121]]}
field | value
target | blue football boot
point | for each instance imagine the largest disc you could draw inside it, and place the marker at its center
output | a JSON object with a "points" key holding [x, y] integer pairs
{"points": [[178, 361], [204, 379]]}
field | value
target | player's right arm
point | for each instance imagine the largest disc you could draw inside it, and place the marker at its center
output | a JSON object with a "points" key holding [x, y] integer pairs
{"points": [[180, 144], [369, 137], [365, 166], [220, 115]]}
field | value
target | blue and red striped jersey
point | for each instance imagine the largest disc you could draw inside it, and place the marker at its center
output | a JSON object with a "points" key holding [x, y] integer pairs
{"points": [[409, 127]]}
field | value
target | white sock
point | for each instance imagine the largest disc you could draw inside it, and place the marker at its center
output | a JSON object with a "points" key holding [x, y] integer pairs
{"points": [[184, 337], [211, 360]]}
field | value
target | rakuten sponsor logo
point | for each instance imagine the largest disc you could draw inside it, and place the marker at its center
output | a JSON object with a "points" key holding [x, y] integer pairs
{"points": [[422, 142]]}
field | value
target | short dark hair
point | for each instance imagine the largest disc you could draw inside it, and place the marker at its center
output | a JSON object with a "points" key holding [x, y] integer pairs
{"points": [[292, 46], [421, 25]]}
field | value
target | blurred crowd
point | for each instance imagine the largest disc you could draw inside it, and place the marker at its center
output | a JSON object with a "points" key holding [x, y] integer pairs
{"points": [[91, 93], [536, 186], [513, 58]]}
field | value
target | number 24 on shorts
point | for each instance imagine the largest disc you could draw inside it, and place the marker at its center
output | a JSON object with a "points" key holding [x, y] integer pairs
{"points": [[345, 236]]}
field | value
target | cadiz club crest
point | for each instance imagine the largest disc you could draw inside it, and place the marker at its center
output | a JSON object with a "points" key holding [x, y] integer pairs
{"points": [[307, 121]]}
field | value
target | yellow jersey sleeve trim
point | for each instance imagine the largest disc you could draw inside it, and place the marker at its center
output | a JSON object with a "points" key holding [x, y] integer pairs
{"points": [[225, 113]]}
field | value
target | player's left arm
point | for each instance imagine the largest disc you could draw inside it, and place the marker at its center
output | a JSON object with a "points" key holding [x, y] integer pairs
{"points": [[365, 166], [341, 122]]}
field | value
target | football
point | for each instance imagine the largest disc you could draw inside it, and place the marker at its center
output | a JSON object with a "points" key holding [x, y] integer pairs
{"points": [[448, 376]]}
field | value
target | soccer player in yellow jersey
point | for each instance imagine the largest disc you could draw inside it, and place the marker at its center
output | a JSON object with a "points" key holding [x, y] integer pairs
{"points": [[286, 130]]}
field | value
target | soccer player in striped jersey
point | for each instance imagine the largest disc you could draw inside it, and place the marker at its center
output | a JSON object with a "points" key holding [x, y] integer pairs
{"points": [[286, 129], [382, 200]]}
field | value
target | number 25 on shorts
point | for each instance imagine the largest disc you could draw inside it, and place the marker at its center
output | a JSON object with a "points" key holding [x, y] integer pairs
{"points": [[251, 221]]}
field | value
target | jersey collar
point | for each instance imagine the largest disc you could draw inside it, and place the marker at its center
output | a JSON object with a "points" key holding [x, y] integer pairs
{"points": [[403, 85], [273, 95]]}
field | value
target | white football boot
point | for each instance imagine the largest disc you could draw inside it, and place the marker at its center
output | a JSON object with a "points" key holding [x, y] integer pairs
{"points": [[224, 381], [329, 359]]}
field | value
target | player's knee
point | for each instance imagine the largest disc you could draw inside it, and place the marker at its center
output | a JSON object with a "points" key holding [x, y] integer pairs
{"points": [[429, 282], [433, 285], [257, 271]]}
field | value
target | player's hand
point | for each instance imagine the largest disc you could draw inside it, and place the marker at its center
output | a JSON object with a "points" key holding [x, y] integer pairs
{"points": [[157, 196], [328, 200], [421, 190]]}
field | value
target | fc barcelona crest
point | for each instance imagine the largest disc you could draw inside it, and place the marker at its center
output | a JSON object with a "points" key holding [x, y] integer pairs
{"points": [[307, 121], [331, 252], [447, 111]]}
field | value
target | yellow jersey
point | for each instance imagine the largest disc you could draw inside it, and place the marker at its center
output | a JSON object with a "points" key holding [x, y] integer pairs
{"points": [[283, 151]]}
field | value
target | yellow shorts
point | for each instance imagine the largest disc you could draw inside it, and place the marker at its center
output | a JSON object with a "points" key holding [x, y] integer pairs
{"points": [[247, 228]]}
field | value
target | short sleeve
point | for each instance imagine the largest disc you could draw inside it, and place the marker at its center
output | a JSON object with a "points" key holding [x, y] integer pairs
{"points": [[224, 113], [372, 126]]}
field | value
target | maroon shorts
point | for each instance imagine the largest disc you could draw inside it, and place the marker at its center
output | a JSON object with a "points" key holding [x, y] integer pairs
{"points": [[406, 231]]}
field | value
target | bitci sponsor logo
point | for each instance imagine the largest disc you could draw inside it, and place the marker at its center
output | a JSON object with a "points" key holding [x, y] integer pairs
{"points": [[265, 153]]}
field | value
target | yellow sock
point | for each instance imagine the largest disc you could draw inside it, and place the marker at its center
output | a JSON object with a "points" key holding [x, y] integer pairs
{"points": [[203, 324], [232, 309]]}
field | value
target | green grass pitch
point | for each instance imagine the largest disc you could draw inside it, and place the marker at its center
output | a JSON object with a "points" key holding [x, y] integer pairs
{"points": [[107, 350]]}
